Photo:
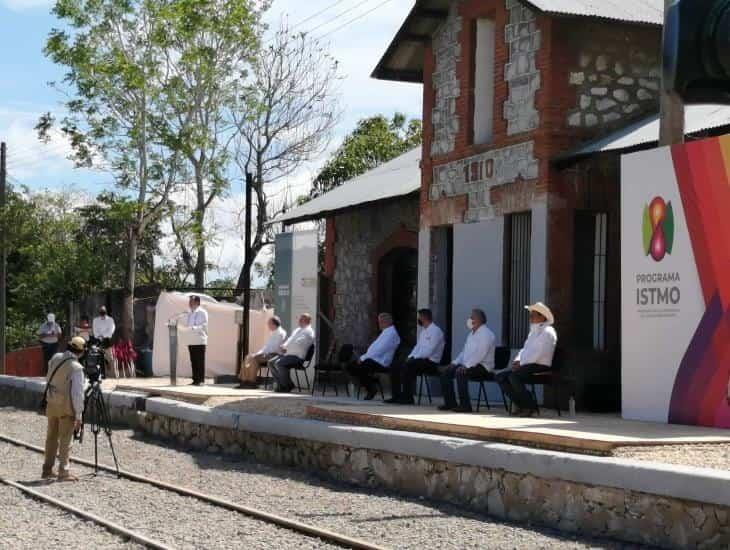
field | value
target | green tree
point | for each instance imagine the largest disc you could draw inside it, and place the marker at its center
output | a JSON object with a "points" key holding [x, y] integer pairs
{"points": [[374, 141], [114, 68]]}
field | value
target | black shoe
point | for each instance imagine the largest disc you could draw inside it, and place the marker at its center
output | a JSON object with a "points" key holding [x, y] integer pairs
{"points": [[446, 408], [247, 386], [393, 401], [406, 401], [527, 413], [370, 395], [463, 410]]}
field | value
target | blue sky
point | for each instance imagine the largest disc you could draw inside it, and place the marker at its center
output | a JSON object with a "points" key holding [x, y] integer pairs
{"points": [[25, 73]]}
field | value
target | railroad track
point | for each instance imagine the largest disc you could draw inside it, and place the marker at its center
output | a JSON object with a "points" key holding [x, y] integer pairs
{"points": [[326, 535]]}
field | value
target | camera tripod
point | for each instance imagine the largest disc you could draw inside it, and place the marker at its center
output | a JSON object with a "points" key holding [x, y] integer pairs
{"points": [[96, 415]]}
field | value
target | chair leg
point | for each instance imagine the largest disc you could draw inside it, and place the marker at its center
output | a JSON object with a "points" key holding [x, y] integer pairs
{"points": [[306, 379], [504, 400], [428, 389], [296, 377], [479, 396], [534, 396], [420, 388]]}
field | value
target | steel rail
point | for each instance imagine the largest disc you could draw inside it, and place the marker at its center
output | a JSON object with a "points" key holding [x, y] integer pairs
{"points": [[108, 524], [293, 525]]}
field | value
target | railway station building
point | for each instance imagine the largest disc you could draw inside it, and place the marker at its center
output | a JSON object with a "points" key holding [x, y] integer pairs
{"points": [[527, 107]]}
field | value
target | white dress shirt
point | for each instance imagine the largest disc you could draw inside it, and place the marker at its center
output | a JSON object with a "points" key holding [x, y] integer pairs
{"points": [[274, 343], [539, 347], [298, 343], [49, 333], [197, 323], [430, 344], [103, 327], [478, 349], [383, 348]]}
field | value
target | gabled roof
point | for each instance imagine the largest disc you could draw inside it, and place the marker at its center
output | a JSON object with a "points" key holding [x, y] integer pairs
{"points": [[645, 133], [403, 60], [395, 178]]}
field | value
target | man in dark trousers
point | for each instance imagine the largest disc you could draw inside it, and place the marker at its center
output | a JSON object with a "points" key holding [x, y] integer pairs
{"points": [[197, 325]]}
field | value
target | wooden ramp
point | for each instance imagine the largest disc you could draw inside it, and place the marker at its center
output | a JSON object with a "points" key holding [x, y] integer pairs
{"points": [[584, 433]]}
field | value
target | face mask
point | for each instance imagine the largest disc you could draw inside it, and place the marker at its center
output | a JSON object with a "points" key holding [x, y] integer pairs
{"points": [[470, 324]]}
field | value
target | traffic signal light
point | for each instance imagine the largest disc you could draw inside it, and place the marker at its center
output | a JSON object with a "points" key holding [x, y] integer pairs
{"points": [[697, 50]]}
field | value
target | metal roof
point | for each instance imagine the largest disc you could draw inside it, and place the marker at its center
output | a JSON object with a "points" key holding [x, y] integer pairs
{"points": [[395, 178], [403, 60], [645, 132]]}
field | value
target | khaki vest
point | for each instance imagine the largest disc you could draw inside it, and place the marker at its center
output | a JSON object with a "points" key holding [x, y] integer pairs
{"points": [[59, 391]]}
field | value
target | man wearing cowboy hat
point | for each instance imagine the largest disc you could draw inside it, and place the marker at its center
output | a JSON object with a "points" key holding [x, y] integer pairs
{"points": [[536, 356]]}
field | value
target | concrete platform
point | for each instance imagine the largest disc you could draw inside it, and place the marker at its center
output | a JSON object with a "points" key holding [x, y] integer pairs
{"points": [[585, 433]]}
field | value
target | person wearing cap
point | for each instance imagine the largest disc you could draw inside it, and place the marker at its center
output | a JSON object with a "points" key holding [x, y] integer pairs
{"points": [[103, 327], [65, 407], [197, 326], [49, 334], [272, 348], [536, 356]]}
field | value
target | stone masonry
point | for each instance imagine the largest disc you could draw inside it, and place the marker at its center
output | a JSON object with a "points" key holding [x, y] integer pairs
{"points": [[359, 233], [476, 176], [447, 53], [614, 85], [523, 41]]}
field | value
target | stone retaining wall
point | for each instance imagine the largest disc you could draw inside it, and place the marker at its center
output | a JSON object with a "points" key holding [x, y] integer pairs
{"points": [[514, 483]]}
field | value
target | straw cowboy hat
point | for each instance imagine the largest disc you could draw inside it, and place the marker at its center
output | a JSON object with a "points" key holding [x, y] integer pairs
{"points": [[543, 310], [77, 344]]}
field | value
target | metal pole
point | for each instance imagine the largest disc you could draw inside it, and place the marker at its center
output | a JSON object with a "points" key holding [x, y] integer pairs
{"points": [[248, 262], [172, 328], [3, 257], [671, 118]]}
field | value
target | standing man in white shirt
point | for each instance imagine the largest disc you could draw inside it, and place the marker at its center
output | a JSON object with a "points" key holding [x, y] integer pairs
{"points": [[423, 360], [253, 361], [475, 360], [379, 356], [536, 356], [293, 352], [48, 334], [103, 327], [197, 325]]}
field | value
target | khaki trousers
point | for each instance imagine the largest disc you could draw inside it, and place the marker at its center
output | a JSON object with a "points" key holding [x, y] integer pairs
{"points": [[250, 370], [59, 437]]}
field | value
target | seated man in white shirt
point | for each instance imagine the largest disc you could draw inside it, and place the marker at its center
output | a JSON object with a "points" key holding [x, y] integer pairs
{"points": [[475, 361], [272, 348], [536, 356], [378, 357], [423, 360], [293, 352]]}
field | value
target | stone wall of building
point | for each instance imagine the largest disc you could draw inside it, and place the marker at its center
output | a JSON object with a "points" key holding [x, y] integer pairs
{"points": [[357, 235], [521, 74], [446, 84], [616, 78]]}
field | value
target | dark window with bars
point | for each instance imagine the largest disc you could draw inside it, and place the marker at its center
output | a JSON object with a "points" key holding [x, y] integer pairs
{"points": [[518, 229], [591, 250]]}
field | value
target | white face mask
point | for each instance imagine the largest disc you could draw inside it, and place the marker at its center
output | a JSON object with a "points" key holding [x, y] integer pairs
{"points": [[470, 324]]}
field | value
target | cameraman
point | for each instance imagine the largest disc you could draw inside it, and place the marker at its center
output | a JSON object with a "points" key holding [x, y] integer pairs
{"points": [[65, 398]]}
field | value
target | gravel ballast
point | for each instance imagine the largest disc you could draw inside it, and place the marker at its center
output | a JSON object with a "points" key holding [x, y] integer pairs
{"points": [[27, 524], [387, 519]]}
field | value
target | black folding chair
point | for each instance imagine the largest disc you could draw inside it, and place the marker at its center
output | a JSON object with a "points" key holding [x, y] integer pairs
{"points": [[327, 373], [426, 374], [303, 366], [552, 378], [501, 361]]}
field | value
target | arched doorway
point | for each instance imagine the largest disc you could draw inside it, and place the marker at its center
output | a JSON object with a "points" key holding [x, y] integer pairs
{"points": [[398, 288]]}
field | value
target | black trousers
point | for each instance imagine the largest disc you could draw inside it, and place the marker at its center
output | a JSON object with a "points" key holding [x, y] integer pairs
{"points": [[403, 376], [462, 375], [512, 383], [365, 373], [281, 367], [49, 350], [197, 362]]}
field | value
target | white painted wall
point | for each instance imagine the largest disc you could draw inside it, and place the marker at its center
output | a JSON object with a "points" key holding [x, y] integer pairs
{"points": [[424, 266], [484, 81], [538, 250]]}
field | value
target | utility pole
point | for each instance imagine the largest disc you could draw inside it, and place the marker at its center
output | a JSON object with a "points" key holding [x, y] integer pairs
{"points": [[248, 262], [671, 117], [3, 256]]}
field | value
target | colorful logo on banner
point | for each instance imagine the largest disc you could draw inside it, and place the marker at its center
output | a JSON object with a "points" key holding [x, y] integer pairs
{"points": [[658, 229], [700, 393]]}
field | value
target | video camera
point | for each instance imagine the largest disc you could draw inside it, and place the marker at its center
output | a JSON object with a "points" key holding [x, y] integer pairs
{"points": [[94, 359]]}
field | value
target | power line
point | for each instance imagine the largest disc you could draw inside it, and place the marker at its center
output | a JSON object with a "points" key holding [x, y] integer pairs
{"points": [[320, 12], [348, 23], [338, 16]]}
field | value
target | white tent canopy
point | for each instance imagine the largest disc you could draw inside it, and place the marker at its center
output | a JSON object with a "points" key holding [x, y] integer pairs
{"points": [[220, 358]]}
